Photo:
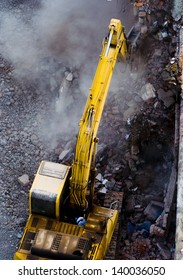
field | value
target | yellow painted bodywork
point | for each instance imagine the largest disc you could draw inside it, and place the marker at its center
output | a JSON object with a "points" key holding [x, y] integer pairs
{"points": [[89, 123], [50, 180], [58, 191], [99, 247]]}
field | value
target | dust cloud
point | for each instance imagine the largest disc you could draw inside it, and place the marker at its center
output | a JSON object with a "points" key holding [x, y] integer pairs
{"points": [[58, 33], [70, 31]]}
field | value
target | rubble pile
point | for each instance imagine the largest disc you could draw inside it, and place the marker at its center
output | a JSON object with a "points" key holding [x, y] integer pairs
{"points": [[148, 168], [136, 151]]}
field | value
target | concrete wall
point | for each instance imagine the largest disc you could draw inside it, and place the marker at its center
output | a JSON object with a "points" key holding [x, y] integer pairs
{"points": [[179, 218], [177, 9]]}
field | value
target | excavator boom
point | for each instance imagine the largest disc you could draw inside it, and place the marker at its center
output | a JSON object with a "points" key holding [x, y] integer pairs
{"points": [[113, 46]]}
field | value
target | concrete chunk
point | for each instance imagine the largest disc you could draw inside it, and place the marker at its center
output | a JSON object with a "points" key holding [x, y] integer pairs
{"points": [[69, 77], [148, 92], [23, 180], [64, 154]]}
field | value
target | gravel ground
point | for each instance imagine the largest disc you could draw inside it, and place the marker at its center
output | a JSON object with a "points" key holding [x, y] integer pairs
{"points": [[33, 126]]}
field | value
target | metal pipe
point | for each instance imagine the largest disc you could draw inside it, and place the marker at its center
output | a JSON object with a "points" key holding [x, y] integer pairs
{"points": [[109, 42]]}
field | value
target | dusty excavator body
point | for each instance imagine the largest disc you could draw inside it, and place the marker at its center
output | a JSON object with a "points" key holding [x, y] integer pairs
{"points": [[64, 222]]}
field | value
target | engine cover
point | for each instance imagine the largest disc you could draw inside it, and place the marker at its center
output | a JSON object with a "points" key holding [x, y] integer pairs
{"points": [[53, 245]]}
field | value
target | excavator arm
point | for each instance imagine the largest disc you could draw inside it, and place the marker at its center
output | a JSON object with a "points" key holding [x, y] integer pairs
{"points": [[114, 46]]}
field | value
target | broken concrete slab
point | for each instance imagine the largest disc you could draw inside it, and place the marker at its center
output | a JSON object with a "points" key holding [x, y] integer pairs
{"points": [[99, 177], [64, 154], [163, 94], [129, 113], [169, 101], [166, 97], [69, 76], [148, 92], [103, 190], [24, 180], [153, 210], [155, 230]]}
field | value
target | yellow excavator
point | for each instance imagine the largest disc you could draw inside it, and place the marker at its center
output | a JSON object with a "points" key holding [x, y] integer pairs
{"points": [[64, 222]]}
